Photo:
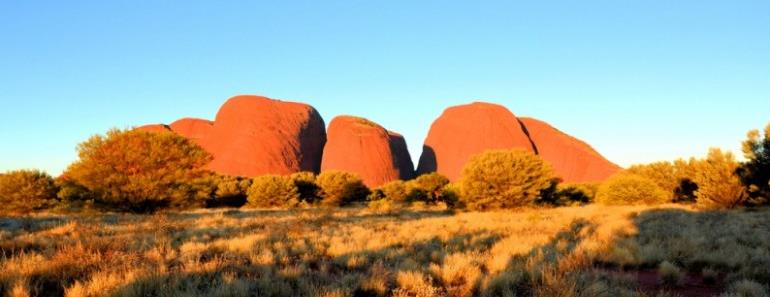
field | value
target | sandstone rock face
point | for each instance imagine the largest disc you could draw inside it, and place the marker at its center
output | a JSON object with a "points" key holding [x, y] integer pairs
{"points": [[196, 130], [360, 146], [154, 128], [401, 153], [572, 159], [255, 135], [466, 130]]}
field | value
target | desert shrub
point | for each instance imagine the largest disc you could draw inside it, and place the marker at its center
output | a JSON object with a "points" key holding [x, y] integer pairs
{"points": [[673, 177], [558, 194], [273, 191], [747, 288], [625, 188], [396, 191], [340, 188], [755, 172], [230, 191], [451, 194], [718, 185], [25, 191], [72, 197], [141, 171], [670, 274], [306, 185], [504, 179], [427, 187]]}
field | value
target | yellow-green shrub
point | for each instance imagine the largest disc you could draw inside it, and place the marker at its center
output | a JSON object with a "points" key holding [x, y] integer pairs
{"points": [[755, 172], [340, 188], [230, 191], [427, 187], [625, 188], [718, 185], [568, 194], [673, 177], [504, 179], [141, 171], [396, 191], [273, 191], [24, 191], [306, 185]]}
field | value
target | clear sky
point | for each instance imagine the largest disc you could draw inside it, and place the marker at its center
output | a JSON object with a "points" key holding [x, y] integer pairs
{"points": [[639, 80]]}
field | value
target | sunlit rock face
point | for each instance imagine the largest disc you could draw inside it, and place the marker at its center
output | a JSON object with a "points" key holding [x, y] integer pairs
{"points": [[572, 159], [363, 147], [467, 130], [255, 135]]}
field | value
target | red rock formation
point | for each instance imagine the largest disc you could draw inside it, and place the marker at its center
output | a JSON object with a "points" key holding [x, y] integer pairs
{"points": [[154, 128], [255, 135], [360, 146], [572, 159], [401, 154], [466, 130], [196, 130]]}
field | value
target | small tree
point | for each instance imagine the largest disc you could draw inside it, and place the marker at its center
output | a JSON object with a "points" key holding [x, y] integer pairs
{"points": [[230, 191], [341, 188], [306, 185], [755, 172], [673, 177], [428, 187], [559, 194], [25, 191], [630, 189], [273, 191], [718, 185], [141, 171], [504, 179], [396, 191]]}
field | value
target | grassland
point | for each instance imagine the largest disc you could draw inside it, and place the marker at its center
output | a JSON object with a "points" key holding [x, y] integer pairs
{"points": [[572, 251]]}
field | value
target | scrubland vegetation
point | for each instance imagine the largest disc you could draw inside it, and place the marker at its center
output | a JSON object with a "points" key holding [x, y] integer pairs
{"points": [[130, 218], [569, 251]]}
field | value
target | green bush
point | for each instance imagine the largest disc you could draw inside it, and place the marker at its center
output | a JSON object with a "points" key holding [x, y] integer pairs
{"points": [[718, 184], [340, 188], [428, 188], [306, 185], [230, 191], [142, 171], [273, 191], [25, 191], [558, 194], [504, 179], [630, 189], [396, 191], [673, 177], [755, 172], [72, 196]]}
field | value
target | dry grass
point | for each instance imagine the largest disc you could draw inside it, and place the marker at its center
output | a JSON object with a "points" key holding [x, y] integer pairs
{"points": [[359, 252]]}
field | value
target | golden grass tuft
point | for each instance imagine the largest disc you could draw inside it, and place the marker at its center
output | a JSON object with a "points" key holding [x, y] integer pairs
{"points": [[364, 252]]}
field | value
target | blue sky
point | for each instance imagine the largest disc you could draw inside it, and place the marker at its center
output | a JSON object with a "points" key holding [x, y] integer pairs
{"points": [[639, 80]]}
